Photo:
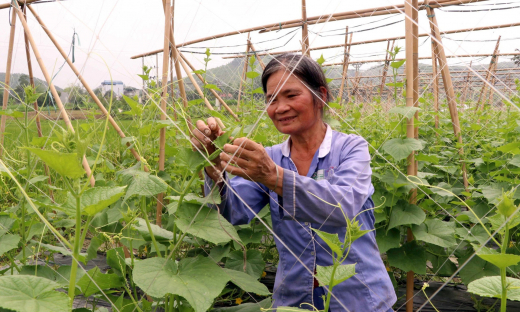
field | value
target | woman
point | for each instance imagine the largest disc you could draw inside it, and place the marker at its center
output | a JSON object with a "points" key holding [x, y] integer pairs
{"points": [[314, 162]]}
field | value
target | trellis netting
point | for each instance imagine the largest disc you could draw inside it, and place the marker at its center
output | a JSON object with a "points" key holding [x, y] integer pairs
{"points": [[448, 215]]}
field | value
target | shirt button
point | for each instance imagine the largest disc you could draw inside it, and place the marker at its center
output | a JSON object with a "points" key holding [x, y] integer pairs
{"points": [[306, 223], [312, 253]]}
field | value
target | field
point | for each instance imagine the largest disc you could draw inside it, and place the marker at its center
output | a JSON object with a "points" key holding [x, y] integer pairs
{"points": [[94, 220]]}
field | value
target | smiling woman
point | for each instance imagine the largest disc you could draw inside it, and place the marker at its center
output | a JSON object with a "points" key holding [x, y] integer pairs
{"points": [[317, 183]]}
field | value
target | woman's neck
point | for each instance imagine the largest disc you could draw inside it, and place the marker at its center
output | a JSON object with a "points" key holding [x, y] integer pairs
{"points": [[304, 145]]}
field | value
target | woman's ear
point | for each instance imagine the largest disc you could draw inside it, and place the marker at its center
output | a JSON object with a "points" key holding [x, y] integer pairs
{"points": [[323, 96]]}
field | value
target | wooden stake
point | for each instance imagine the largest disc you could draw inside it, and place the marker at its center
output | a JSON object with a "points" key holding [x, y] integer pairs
{"points": [[385, 67], [305, 32], [164, 98], [466, 86], [85, 84], [346, 57], [50, 84], [488, 75], [7, 85], [244, 72], [257, 57], [211, 90], [193, 81], [435, 75], [493, 81], [448, 86]]}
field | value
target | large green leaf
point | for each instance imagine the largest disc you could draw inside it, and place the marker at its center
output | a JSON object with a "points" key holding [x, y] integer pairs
{"points": [[66, 164], [400, 148], [25, 293], [435, 232], [208, 224], [8, 242], [406, 214], [405, 111], [343, 273], [136, 108], [475, 268], [142, 183], [254, 263], [409, 257], [498, 221], [500, 260], [389, 240], [98, 198], [95, 281], [247, 282], [160, 234], [199, 280], [492, 287], [332, 240]]}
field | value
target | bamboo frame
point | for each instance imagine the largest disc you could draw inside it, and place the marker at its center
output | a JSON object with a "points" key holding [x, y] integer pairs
{"points": [[488, 75], [258, 58], [51, 85], [244, 72], [346, 58], [305, 31], [435, 78], [448, 87], [7, 84], [385, 68], [493, 81], [466, 86]]}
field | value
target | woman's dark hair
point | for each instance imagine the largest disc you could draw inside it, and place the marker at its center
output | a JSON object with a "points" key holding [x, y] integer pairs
{"points": [[304, 68]]}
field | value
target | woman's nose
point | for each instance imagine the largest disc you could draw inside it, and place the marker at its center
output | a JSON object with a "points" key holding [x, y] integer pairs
{"points": [[282, 107]]}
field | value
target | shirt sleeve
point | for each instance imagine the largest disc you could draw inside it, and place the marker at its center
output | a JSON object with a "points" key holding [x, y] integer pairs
{"points": [[239, 199], [307, 200]]}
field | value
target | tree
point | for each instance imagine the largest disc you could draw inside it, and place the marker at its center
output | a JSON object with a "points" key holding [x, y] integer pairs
{"points": [[516, 59]]}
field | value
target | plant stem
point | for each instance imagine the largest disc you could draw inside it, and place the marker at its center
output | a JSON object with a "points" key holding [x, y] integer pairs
{"points": [[145, 216], [331, 285], [75, 251], [503, 300]]}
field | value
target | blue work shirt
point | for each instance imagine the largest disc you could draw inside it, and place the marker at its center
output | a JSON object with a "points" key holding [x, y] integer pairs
{"points": [[339, 173]]}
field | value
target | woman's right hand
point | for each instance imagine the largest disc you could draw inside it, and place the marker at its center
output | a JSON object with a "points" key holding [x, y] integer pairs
{"points": [[203, 136]]}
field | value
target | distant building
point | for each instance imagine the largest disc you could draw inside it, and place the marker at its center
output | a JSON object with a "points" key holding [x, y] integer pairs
{"points": [[115, 86], [131, 91]]}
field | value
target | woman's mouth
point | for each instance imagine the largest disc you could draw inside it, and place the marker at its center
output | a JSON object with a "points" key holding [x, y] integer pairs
{"points": [[286, 119]]}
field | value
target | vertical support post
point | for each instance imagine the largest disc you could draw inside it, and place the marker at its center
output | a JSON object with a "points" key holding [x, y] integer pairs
{"points": [[493, 80], [466, 86], [144, 90], [410, 6], [258, 58], [48, 79], [488, 75], [164, 93], [415, 33], [243, 77], [448, 86], [84, 83], [385, 67], [435, 77], [305, 31], [346, 57], [7, 85]]}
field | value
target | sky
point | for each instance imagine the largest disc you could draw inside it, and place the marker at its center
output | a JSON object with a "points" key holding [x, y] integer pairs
{"points": [[111, 31]]}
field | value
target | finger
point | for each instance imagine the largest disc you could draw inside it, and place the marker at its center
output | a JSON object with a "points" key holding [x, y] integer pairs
{"points": [[238, 151], [246, 144], [242, 163], [203, 128], [234, 170], [196, 143], [213, 125]]}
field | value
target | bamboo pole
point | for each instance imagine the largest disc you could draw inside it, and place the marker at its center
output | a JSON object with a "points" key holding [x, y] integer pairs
{"points": [[305, 31], [20, 2], [311, 20], [219, 98], [491, 62], [244, 72], [466, 86], [51, 85], [435, 76], [85, 84], [7, 85], [493, 81], [258, 58], [346, 57], [448, 87], [193, 81], [164, 98], [410, 128], [385, 68]]}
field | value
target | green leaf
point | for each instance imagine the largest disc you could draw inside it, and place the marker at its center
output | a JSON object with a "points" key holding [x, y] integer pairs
{"points": [[96, 199], [205, 223], [475, 269], [212, 87], [388, 240], [258, 90], [395, 84], [144, 77], [320, 60], [498, 220], [252, 74], [434, 159], [199, 71], [135, 107], [332, 240], [11, 113], [492, 287], [142, 183], [116, 260], [500, 260], [435, 232], [405, 111], [255, 265], [406, 214], [397, 64], [513, 148], [515, 161], [31, 294], [248, 236], [506, 205], [95, 281], [8, 242], [219, 252], [222, 140], [247, 282], [409, 257], [65, 164], [248, 307], [343, 273], [199, 280], [31, 95], [401, 148], [192, 159], [354, 231], [161, 235]]}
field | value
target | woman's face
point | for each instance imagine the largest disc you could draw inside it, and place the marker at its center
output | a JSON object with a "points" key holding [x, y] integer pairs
{"points": [[291, 104]]}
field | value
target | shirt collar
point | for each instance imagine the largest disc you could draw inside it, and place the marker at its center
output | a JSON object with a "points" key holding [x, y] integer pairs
{"points": [[324, 147]]}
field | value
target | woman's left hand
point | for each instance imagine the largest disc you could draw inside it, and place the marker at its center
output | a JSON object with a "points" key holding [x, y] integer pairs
{"points": [[251, 162]]}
